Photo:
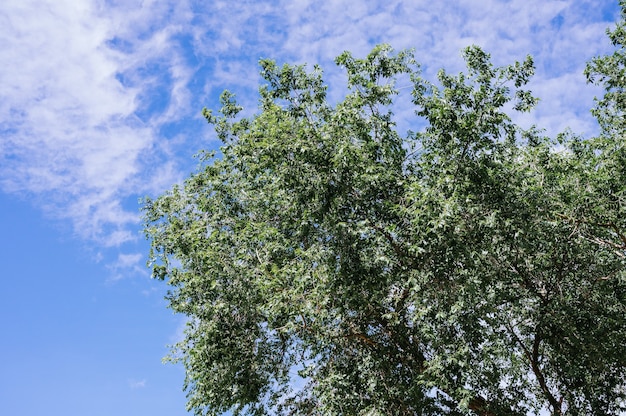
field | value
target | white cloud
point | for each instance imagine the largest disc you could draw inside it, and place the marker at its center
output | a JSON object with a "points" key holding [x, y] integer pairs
{"points": [[137, 384], [127, 264]]}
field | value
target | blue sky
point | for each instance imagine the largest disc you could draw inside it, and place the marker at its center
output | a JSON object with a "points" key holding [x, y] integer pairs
{"points": [[100, 105]]}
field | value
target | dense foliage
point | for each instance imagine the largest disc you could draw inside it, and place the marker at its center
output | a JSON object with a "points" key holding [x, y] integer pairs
{"points": [[330, 265]]}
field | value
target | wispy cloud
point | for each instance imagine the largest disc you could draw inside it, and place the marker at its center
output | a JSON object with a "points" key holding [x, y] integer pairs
{"points": [[127, 264], [97, 98], [137, 384], [71, 132]]}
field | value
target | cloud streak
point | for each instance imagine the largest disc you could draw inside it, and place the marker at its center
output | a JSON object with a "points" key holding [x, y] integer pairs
{"points": [[137, 384]]}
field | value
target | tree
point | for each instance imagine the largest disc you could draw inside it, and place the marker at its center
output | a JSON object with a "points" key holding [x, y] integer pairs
{"points": [[330, 265]]}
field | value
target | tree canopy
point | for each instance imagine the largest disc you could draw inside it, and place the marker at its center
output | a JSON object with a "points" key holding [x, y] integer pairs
{"points": [[331, 265]]}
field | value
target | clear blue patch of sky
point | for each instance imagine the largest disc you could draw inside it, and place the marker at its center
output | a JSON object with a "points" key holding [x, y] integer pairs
{"points": [[119, 44], [155, 98], [73, 343], [557, 21]]}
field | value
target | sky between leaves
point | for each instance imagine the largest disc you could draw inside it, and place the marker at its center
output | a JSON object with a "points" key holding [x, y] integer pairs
{"points": [[100, 105]]}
